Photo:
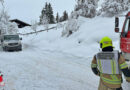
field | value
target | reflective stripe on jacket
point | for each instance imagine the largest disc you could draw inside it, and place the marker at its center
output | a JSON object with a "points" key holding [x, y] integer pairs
{"points": [[107, 62]]}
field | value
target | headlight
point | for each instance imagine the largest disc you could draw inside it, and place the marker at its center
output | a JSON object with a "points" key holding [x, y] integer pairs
{"points": [[5, 43]]}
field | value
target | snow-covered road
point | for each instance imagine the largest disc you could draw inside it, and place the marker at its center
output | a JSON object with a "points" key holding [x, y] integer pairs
{"points": [[51, 62], [42, 69], [39, 69]]}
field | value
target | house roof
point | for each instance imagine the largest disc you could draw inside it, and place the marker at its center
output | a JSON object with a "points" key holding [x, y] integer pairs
{"points": [[20, 22]]}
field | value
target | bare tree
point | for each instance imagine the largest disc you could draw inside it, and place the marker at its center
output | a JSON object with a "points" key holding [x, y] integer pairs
{"points": [[12, 28], [4, 21], [6, 27], [45, 22], [34, 26]]}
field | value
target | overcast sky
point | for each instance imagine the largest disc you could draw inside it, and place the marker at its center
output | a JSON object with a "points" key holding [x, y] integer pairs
{"points": [[28, 10]]}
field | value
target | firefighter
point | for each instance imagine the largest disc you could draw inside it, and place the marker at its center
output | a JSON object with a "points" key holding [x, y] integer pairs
{"points": [[109, 64]]}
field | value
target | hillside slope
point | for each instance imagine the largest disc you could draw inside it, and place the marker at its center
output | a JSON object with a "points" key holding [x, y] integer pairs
{"points": [[51, 62]]}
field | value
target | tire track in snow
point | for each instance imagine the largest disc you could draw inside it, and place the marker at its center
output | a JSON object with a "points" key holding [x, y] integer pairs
{"points": [[47, 51], [64, 59]]}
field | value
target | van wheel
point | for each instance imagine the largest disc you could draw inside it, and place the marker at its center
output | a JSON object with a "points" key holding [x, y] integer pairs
{"points": [[20, 49]]}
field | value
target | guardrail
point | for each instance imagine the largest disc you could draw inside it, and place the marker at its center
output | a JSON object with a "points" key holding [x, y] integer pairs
{"points": [[37, 31]]}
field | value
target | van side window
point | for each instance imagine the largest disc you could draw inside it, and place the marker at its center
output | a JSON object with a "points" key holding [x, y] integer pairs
{"points": [[126, 27]]}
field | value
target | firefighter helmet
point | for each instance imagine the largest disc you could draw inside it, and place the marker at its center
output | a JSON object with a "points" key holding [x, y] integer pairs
{"points": [[105, 42]]}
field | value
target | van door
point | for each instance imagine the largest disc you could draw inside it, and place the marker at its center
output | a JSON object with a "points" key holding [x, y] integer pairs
{"points": [[125, 36]]}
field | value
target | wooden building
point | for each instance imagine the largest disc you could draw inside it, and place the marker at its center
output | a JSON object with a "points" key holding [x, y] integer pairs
{"points": [[20, 23]]}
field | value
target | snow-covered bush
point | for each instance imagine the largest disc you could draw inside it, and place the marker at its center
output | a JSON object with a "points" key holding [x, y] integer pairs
{"points": [[71, 26], [12, 28], [59, 25], [6, 27], [74, 15], [2, 28], [4, 21], [34, 26], [128, 4], [86, 8], [113, 7], [45, 22]]}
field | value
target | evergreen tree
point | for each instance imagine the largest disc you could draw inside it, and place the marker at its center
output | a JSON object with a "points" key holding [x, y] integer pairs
{"points": [[82, 1], [114, 7], [61, 19], [48, 12], [65, 16], [42, 15], [57, 17], [46, 6], [128, 3], [86, 8]]}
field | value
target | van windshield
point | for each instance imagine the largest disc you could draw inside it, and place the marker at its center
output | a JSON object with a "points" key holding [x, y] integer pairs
{"points": [[126, 26], [11, 37]]}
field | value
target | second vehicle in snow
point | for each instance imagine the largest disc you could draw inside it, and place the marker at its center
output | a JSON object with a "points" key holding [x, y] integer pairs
{"points": [[11, 42]]}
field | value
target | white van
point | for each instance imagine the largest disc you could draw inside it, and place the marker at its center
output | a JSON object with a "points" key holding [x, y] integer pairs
{"points": [[11, 42]]}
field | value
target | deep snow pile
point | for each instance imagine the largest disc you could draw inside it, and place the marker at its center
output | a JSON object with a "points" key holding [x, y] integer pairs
{"points": [[51, 62]]}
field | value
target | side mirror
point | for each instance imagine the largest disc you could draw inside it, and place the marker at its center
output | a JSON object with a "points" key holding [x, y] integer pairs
{"points": [[116, 24], [20, 38]]}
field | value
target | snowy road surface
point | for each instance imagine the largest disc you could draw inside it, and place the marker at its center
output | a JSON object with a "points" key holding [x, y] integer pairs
{"points": [[41, 69]]}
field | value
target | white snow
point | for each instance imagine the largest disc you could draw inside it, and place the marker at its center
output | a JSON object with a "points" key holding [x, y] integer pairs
{"points": [[100, 4], [51, 62]]}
